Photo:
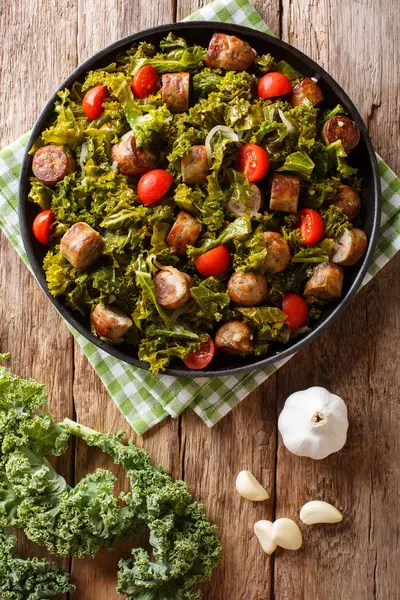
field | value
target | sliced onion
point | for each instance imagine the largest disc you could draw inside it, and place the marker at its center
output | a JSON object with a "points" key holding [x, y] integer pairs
{"points": [[289, 126], [228, 133]]}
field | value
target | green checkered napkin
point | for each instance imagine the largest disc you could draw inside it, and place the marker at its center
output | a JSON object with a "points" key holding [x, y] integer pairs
{"points": [[146, 399]]}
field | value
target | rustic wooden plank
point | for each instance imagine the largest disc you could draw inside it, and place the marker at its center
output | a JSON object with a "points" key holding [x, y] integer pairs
{"points": [[97, 578], [359, 558], [34, 59]]}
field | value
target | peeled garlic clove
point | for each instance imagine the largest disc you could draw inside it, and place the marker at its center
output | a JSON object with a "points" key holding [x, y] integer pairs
{"points": [[286, 534], [262, 530], [317, 511], [248, 487]]}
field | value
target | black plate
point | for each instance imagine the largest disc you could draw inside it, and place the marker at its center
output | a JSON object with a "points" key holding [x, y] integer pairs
{"points": [[362, 157]]}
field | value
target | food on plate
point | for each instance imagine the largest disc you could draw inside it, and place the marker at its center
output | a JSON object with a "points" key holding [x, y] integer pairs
{"points": [[81, 245], [341, 128], [325, 283], [349, 247], [51, 164], [191, 195], [286, 534], [316, 511], [348, 200], [234, 337], [110, 322], [285, 190], [251, 489], [313, 423], [307, 89], [229, 52], [77, 521]]}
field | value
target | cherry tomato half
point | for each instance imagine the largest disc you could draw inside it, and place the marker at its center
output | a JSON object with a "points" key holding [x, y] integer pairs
{"points": [[201, 357], [272, 85], [296, 309], [311, 226], [41, 226], [92, 103], [153, 185], [213, 263], [145, 82], [253, 162]]}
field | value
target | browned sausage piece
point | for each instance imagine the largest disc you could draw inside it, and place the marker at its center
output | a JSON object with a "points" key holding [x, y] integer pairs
{"points": [[130, 159], [172, 287], [325, 283], [194, 165], [251, 206], [349, 247], [343, 129], [278, 252], [234, 337], [229, 52], [247, 289], [51, 164], [184, 232], [307, 89], [175, 91], [348, 200], [110, 322], [81, 245], [285, 193]]}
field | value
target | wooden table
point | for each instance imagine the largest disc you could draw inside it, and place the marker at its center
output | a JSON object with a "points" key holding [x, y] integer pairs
{"points": [[358, 358]]}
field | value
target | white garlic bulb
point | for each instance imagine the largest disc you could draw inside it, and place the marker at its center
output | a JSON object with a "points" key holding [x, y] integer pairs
{"points": [[313, 423]]}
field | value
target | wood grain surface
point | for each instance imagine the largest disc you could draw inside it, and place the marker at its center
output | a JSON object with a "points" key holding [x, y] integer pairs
{"points": [[358, 42]]}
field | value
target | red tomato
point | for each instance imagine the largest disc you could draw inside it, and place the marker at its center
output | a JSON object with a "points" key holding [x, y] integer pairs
{"points": [[202, 357], [41, 226], [153, 185], [274, 84], [145, 82], [311, 226], [214, 262], [253, 162], [296, 309], [92, 103]]}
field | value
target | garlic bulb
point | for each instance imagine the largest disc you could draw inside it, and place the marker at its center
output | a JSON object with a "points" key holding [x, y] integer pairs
{"points": [[313, 423]]}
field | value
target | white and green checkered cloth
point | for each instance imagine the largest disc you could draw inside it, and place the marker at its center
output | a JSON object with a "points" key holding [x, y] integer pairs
{"points": [[146, 399]]}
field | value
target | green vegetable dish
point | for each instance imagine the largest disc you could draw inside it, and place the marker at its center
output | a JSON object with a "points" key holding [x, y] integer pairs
{"points": [[196, 200]]}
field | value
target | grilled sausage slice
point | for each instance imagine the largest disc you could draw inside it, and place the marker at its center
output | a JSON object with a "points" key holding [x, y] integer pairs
{"points": [[172, 287], [131, 160], [234, 337], [343, 129], [251, 206], [285, 192], [81, 245], [247, 289], [278, 252], [51, 164], [325, 283], [229, 52], [194, 165], [349, 247], [184, 232], [307, 88], [110, 322], [348, 200], [175, 91]]}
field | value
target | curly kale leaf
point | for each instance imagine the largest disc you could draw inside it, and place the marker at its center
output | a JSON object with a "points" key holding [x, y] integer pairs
{"points": [[336, 222], [31, 578]]}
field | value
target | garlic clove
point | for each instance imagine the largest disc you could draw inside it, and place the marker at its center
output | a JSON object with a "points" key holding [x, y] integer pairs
{"points": [[317, 511], [262, 530], [248, 487], [286, 534]]}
